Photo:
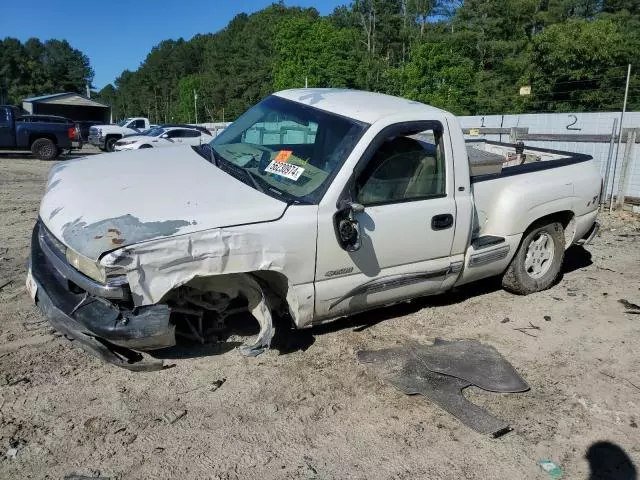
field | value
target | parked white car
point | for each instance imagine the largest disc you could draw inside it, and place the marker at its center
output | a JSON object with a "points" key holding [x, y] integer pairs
{"points": [[164, 137], [105, 136]]}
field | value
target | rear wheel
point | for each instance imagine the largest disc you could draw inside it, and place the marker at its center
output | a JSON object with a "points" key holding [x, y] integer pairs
{"points": [[145, 146], [44, 149], [538, 261], [110, 144]]}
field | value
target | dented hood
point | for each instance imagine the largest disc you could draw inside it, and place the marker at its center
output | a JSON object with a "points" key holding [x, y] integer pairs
{"points": [[100, 203]]}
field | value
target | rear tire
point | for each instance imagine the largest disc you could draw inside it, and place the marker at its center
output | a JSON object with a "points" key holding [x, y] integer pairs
{"points": [[44, 149], [538, 261], [110, 144]]}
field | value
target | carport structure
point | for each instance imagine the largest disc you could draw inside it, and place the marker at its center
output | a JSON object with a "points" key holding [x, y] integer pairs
{"points": [[71, 105]]}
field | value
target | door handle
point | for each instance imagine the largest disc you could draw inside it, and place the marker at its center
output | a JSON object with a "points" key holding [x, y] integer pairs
{"points": [[442, 222]]}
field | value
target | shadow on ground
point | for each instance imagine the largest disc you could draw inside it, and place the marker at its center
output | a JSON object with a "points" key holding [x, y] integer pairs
{"points": [[607, 461], [26, 155]]}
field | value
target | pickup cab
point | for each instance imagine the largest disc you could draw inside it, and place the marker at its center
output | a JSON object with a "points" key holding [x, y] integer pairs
{"points": [[315, 204], [46, 136], [105, 136]]}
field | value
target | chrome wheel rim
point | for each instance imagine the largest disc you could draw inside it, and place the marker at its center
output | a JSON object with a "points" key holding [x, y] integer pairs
{"points": [[539, 255]]}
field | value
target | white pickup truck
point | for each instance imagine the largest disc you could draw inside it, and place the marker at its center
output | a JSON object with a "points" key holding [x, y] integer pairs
{"points": [[105, 136], [315, 204]]}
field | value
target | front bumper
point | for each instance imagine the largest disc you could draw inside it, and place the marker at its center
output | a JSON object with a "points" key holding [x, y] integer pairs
{"points": [[120, 148], [97, 140], [106, 328]]}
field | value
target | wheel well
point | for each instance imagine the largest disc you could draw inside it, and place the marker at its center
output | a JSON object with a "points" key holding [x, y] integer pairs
{"points": [[564, 217], [38, 136], [113, 135]]}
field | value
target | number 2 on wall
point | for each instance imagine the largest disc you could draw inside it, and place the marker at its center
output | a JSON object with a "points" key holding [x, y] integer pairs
{"points": [[571, 125]]}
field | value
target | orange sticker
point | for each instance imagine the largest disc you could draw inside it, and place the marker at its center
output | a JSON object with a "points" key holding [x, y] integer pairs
{"points": [[283, 156]]}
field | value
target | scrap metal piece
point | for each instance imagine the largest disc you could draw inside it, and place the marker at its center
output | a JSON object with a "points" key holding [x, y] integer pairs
{"points": [[477, 363], [404, 370]]}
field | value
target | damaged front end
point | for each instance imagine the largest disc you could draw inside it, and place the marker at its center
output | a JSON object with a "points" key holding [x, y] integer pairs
{"points": [[106, 321]]}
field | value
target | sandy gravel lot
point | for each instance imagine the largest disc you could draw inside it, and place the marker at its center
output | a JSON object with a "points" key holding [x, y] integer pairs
{"points": [[307, 409]]}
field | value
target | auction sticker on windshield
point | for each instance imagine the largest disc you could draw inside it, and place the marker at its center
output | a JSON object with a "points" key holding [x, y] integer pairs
{"points": [[286, 170], [283, 156]]}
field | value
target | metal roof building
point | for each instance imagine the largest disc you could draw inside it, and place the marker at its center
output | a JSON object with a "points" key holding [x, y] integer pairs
{"points": [[71, 105]]}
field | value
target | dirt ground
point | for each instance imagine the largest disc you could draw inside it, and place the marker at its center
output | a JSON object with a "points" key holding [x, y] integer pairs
{"points": [[310, 410]]}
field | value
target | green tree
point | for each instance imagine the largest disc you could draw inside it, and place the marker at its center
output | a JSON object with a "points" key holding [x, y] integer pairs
{"points": [[316, 50]]}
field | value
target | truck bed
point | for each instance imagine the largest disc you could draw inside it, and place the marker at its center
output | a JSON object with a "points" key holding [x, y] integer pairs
{"points": [[489, 159]]}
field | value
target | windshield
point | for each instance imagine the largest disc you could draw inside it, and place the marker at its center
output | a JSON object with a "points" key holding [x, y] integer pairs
{"points": [[122, 123], [288, 149], [154, 132]]}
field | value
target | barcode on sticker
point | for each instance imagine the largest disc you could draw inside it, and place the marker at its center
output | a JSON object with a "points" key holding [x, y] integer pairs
{"points": [[286, 170]]}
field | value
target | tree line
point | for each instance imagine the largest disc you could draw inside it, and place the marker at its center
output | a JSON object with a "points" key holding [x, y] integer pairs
{"points": [[37, 68], [466, 56]]}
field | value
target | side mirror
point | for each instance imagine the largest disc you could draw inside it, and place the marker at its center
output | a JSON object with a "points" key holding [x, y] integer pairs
{"points": [[346, 226]]}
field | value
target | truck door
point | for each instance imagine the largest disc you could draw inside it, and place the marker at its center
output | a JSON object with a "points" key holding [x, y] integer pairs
{"points": [[405, 184], [7, 131]]}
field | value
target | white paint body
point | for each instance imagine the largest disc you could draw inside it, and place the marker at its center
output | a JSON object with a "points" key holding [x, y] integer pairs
{"points": [[220, 225], [167, 139], [127, 129]]}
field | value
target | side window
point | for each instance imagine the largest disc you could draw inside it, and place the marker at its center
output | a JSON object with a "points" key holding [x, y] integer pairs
{"points": [[177, 133], [4, 116], [405, 167], [191, 133]]}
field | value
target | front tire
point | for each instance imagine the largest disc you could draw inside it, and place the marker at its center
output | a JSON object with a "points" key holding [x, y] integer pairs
{"points": [[44, 149], [109, 145], [538, 261]]}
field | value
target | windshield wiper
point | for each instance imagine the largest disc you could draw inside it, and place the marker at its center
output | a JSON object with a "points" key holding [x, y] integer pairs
{"points": [[234, 170]]}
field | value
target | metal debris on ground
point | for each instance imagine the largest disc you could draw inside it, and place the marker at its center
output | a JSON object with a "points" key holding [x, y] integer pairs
{"points": [[173, 416], [15, 445], [627, 304], [217, 384], [440, 372], [530, 327], [551, 468], [504, 320]]}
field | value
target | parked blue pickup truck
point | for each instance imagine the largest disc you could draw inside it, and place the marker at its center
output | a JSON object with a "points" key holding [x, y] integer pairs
{"points": [[47, 136]]}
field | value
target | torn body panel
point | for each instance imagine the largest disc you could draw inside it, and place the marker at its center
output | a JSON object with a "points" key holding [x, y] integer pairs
{"points": [[154, 268], [246, 262]]}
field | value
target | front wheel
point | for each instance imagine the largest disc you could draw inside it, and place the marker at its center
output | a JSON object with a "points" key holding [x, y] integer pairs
{"points": [[44, 149], [110, 144], [538, 261]]}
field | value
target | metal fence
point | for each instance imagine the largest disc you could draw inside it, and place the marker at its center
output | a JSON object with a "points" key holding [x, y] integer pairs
{"points": [[589, 133]]}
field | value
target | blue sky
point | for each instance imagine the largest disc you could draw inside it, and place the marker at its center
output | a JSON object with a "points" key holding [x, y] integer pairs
{"points": [[118, 34]]}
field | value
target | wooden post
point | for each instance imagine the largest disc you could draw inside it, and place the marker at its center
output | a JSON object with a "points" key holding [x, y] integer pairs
{"points": [[513, 135], [624, 168]]}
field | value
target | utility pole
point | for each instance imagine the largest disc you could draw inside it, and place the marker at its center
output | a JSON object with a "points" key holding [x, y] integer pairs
{"points": [[195, 103], [615, 163], [306, 83]]}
